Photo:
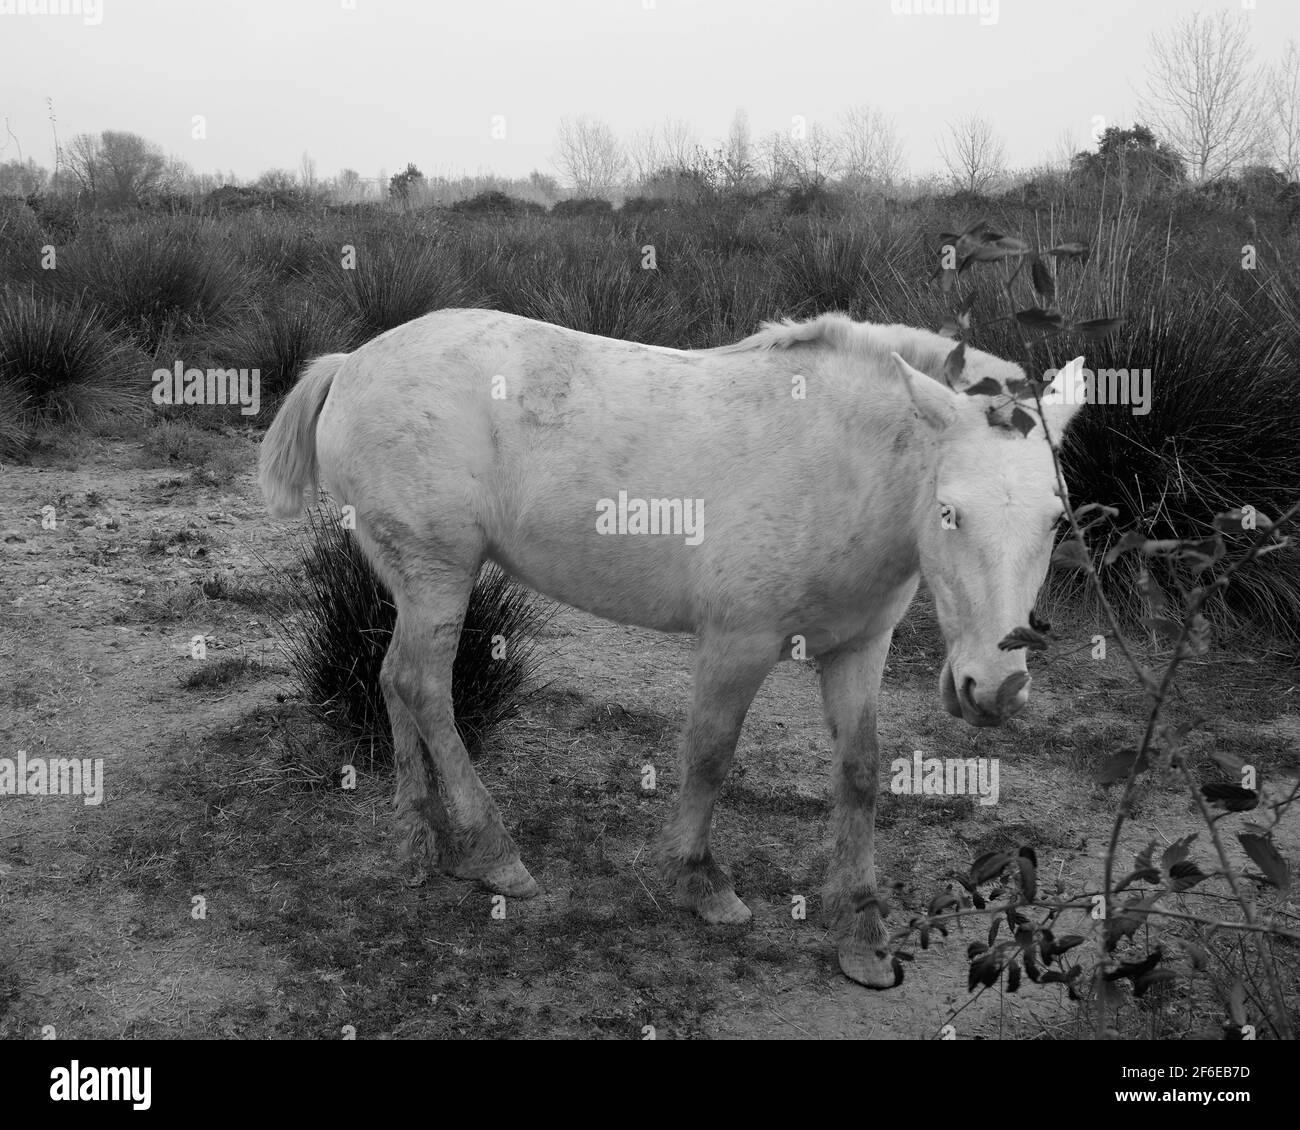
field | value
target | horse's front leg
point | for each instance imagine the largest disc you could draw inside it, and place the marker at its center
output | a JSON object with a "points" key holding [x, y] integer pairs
{"points": [[850, 678], [729, 669]]}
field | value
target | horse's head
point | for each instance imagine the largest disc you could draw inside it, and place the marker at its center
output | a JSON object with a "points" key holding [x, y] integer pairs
{"points": [[989, 513]]}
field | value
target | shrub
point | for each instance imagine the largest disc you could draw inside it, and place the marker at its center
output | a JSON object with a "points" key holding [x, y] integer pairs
{"points": [[154, 279], [278, 341], [59, 364], [496, 204], [338, 620], [583, 206], [394, 283]]}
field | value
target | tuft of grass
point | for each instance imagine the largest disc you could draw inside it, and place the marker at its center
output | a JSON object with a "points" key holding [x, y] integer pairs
{"points": [[1223, 431], [337, 621], [279, 341], [219, 672], [393, 283], [60, 365], [155, 281]]}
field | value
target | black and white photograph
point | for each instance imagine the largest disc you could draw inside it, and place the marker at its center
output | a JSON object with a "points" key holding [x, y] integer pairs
{"points": [[640, 520]]}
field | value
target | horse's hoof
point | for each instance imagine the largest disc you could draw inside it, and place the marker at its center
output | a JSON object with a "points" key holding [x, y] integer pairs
{"points": [[872, 966], [510, 879], [723, 908]]}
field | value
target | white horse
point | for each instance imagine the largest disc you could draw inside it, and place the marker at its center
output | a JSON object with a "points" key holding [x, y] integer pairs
{"points": [[783, 493]]}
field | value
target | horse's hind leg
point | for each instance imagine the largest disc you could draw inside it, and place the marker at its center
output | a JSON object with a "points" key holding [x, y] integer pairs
{"points": [[451, 821], [427, 837], [728, 672]]}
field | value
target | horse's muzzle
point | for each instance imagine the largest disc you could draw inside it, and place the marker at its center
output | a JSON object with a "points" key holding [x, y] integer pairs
{"points": [[962, 702]]}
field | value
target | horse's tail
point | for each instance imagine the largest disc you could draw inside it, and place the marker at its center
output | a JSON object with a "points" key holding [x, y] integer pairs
{"points": [[287, 462]]}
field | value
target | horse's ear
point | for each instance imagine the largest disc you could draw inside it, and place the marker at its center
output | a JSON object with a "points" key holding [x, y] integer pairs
{"points": [[1064, 396], [936, 403]]}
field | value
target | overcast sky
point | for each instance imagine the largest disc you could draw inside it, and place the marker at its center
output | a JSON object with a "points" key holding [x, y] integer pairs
{"points": [[373, 84]]}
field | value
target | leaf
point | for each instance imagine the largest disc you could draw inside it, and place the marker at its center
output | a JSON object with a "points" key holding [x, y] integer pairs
{"points": [[1155, 595], [1022, 637], [1231, 798], [941, 901], [1199, 553], [994, 927], [1230, 521], [1088, 507], [989, 866], [1070, 555], [985, 386], [1185, 875], [1028, 878], [1057, 946], [1044, 321], [1230, 762], [1037, 623], [1152, 980], [1042, 278], [1264, 852], [1126, 922], [1177, 851], [1013, 977], [954, 364], [983, 971], [967, 304], [1094, 329], [1131, 540], [1118, 766], [1022, 421], [1068, 249], [1003, 247], [1133, 969]]}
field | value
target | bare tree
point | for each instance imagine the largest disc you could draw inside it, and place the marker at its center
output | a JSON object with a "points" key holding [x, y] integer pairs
{"points": [[871, 152], [679, 143], [133, 167], [83, 162], [589, 156], [669, 146], [812, 156], [348, 187], [973, 153], [773, 159], [307, 171], [644, 154], [1203, 94], [738, 152], [1282, 108], [1063, 151]]}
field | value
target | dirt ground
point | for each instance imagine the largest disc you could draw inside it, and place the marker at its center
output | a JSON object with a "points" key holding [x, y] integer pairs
{"points": [[218, 790]]}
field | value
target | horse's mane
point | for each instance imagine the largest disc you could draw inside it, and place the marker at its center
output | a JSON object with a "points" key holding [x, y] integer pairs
{"points": [[921, 348]]}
